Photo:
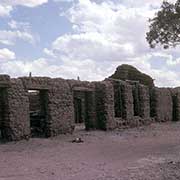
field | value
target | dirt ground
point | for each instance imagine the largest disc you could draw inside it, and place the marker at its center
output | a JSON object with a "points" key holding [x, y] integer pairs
{"points": [[145, 153]]}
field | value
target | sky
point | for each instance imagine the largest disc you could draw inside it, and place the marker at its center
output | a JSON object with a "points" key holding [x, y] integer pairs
{"points": [[85, 38]]}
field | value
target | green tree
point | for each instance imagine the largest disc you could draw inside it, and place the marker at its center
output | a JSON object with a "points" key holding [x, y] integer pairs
{"points": [[164, 28]]}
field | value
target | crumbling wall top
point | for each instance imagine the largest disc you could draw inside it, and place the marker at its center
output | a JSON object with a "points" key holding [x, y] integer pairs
{"points": [[81, 85], [4, 81], [36, 83]]}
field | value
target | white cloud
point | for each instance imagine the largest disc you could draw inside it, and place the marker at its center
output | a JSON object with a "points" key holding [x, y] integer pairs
{"points": [[17, 68], [28, 3], [6, 54], [20, 68], [141, 3], [49, 52], [105, 35], [109, 33], [6, 6], [64, 1], [10, 37], [5, 10], [93, 46], [19, 31]]}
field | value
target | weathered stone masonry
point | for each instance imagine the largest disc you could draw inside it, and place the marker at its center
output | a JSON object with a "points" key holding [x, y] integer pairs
{"points": [[45, 107]]}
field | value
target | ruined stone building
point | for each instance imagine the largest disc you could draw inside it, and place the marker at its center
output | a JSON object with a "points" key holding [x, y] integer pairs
{"points": [[46, 107]]}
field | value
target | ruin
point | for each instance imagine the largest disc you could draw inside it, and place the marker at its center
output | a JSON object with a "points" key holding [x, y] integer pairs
{"points": [[128, 72], [46, 107]]}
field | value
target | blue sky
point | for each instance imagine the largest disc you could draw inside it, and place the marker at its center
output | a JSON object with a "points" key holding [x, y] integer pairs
{"points": [[86, 38]]}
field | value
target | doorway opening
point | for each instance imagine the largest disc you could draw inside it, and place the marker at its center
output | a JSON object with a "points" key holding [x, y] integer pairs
{"points": [[3, 115], [175, 107], [38, 103], [79, 116], [83, 109], [136, 100], [118, 101]]}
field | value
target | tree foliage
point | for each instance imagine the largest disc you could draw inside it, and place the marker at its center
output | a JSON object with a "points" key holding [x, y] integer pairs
{"points": [[164, 28]]}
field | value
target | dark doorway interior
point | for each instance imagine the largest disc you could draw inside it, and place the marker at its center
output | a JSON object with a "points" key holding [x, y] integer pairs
{"points": [[38, 100], [118, 100], [78, 110], [83, 108], [175, 108], [3, 114], [136, 101]]}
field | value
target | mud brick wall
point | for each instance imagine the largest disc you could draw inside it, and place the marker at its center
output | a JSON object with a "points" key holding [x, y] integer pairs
{"points": [[60, 107], [18, 124], [105, 105], [161, 104]]}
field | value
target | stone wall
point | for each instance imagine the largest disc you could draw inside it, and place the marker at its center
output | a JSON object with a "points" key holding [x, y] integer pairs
{"points": [[60, 112], [161, 104], [104, 105], [141, 103], [108, 104], [126, 98], [87, 90], [4, 81], [60, 107], [131, 103], [144, 101], [18, 123], [128, 101], [36, 83]]}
